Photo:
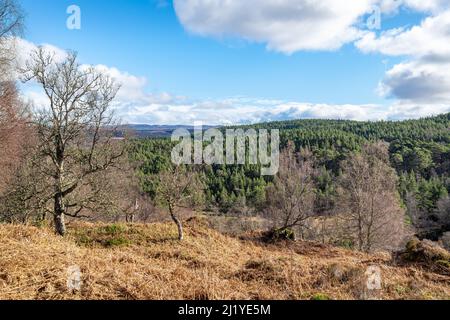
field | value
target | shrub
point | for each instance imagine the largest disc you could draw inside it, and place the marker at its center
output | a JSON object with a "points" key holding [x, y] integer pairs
{"points": [[320, 296], [428, 254], [286, 234], [114, 229]]}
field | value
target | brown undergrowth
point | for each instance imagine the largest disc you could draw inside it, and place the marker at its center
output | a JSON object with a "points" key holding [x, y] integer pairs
{"points": [[146, 262]]}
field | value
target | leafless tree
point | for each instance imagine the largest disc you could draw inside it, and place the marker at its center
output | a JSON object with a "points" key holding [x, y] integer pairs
{"points": [[290, 200], [22, 201], [11, 18], [119, 193], [443, 213], [368, 200], [12, 122], [179, 188], [75, 130], [13, 132]]}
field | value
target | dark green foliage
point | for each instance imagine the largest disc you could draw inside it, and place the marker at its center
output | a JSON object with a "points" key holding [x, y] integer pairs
{"points": [[419, 151], [152, 157], [228, 187], [236, 185], [113, 229]]}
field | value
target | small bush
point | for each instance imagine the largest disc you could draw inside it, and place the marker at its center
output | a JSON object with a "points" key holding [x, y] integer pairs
{"points": [[428, 254], [284, 234], [320, 296], [114, 229], [346, 244]]}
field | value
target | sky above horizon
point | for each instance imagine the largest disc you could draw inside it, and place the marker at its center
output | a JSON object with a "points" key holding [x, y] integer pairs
{"points": [[233, 61]]}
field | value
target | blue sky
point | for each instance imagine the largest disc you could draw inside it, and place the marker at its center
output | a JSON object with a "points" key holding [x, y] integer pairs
{"points": [[216, 64]]}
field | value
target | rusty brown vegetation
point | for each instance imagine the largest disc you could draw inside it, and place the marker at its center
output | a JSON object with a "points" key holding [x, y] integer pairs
{"points": [[134, 261]]}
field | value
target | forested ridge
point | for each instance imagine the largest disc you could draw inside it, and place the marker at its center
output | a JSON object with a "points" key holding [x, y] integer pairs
{"points": [[419, 151]]}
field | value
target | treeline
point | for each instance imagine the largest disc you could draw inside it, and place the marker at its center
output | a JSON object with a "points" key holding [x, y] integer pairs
{"points": [[418, 150]]}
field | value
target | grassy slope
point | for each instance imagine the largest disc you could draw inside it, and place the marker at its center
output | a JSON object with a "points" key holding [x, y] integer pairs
{"points": [[142, 262]]}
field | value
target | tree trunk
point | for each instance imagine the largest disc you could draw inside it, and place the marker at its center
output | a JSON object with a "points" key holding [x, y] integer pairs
{"points": [[60, 225], [179, 226], [360, 232], [178, 223], [59, 209]]}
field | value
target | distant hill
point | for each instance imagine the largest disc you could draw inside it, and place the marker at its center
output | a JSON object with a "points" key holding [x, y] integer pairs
{"points": [[435, 128], [155, 131], [438, 127]]}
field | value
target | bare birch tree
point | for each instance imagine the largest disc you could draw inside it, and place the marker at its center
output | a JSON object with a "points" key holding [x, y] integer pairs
{"points": [[290, 200], [75, 130], [179, 188], [368, 200]]}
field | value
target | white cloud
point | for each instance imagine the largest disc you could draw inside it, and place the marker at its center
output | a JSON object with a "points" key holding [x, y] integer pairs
{"points": [[418, 81], [423, 79], [430, 38], [132, 91], [424, 5], [132, 87], [402, 110], [134, 104], [246, 110], [25, 48], [284, 25], [427, 6], [295, 25], [292, 25]]}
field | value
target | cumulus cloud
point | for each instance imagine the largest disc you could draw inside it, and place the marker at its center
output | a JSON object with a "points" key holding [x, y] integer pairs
{"points": [[25, 48], [132, 87], [427, 6], [423, 5], [424, 78], [132, 91], [289, 26], [241, 110], [284, 25], [430, 38], [418, 81]]}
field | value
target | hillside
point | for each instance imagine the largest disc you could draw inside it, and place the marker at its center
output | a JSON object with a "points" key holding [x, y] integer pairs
{"points": [[142, 262], [436, 127], [432, 128]]}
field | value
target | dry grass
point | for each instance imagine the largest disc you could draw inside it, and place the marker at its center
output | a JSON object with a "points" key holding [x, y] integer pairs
{"points": [[144, 262]]}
